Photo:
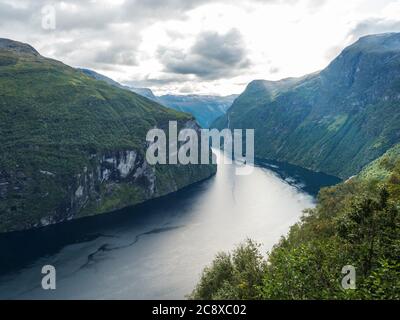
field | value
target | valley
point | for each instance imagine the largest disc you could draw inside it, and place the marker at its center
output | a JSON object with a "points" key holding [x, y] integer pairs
{"points": [[78, 192], [157, 250]]}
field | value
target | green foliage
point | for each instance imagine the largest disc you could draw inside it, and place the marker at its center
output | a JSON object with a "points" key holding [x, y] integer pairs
{"points": [[304, 271], [383, 282], [383, 167], [354, 223], [236, 276]]}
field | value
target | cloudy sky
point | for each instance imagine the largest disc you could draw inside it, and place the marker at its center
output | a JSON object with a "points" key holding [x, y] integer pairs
{"points": [[196, 46]]}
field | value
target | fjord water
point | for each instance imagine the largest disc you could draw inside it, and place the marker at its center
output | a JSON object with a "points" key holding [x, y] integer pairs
{"points": [[157, 250]]}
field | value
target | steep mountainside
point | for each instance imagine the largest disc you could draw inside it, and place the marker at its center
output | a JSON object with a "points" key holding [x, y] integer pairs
{"points": [[335, 121], [144, 92], [383, 167], [72, 146], [206, 109]]}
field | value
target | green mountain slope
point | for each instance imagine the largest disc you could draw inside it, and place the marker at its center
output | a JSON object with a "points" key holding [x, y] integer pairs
{"points": [[205, 108], [335, 121], [72, 146], [144, 92], [383, 167]]}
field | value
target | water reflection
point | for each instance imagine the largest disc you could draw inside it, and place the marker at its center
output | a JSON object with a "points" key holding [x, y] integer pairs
{"points": [[156, 250]]}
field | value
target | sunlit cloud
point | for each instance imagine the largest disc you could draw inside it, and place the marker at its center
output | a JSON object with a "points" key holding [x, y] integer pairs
{"points": [[198, 46]]}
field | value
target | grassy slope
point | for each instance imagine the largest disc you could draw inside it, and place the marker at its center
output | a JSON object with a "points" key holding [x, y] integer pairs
{"points": [[53, 119], [382, 168]]}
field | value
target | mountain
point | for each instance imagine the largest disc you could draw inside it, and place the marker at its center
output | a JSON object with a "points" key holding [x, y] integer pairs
{"points": [[144, 92], [335, 121], [205, 108], [72, 146], [101, 77]]}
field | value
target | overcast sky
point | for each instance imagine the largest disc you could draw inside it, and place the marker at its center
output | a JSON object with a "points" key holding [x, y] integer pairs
{"points": [[196, 46]]}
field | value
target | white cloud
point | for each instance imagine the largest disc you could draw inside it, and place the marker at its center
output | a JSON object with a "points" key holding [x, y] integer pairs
{"points": [[271, 38]]}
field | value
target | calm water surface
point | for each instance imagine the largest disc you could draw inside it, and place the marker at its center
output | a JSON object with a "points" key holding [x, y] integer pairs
{"points": [[158, 250]]}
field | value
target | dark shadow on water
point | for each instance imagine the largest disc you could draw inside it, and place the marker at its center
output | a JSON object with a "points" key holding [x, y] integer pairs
{"points": [[19, 249], [91, 258], [309, 181]]}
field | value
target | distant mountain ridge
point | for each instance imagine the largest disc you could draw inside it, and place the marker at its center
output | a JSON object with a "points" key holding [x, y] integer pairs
{"points": [[335, 121], [205, 108], [144, 92]]}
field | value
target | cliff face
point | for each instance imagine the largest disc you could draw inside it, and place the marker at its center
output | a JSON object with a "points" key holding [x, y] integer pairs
{"points": [[72, 146], [335, 121]]}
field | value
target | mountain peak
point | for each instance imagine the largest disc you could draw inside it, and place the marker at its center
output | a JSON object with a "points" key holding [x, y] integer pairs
{"points": [[363, 62], [378, 42], [273, 86], [18, 47]]}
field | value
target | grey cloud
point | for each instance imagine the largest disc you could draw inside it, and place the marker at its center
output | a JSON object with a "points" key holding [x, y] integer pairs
{"points": [[91, 15], [274, 70], [187, 88], [315, 4], [8, 13], [161, 8], [213, 56], [118, 54], [116, 57], [87, 35], [157, 82], [90, 24], [86, 14], [373, 26]]}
